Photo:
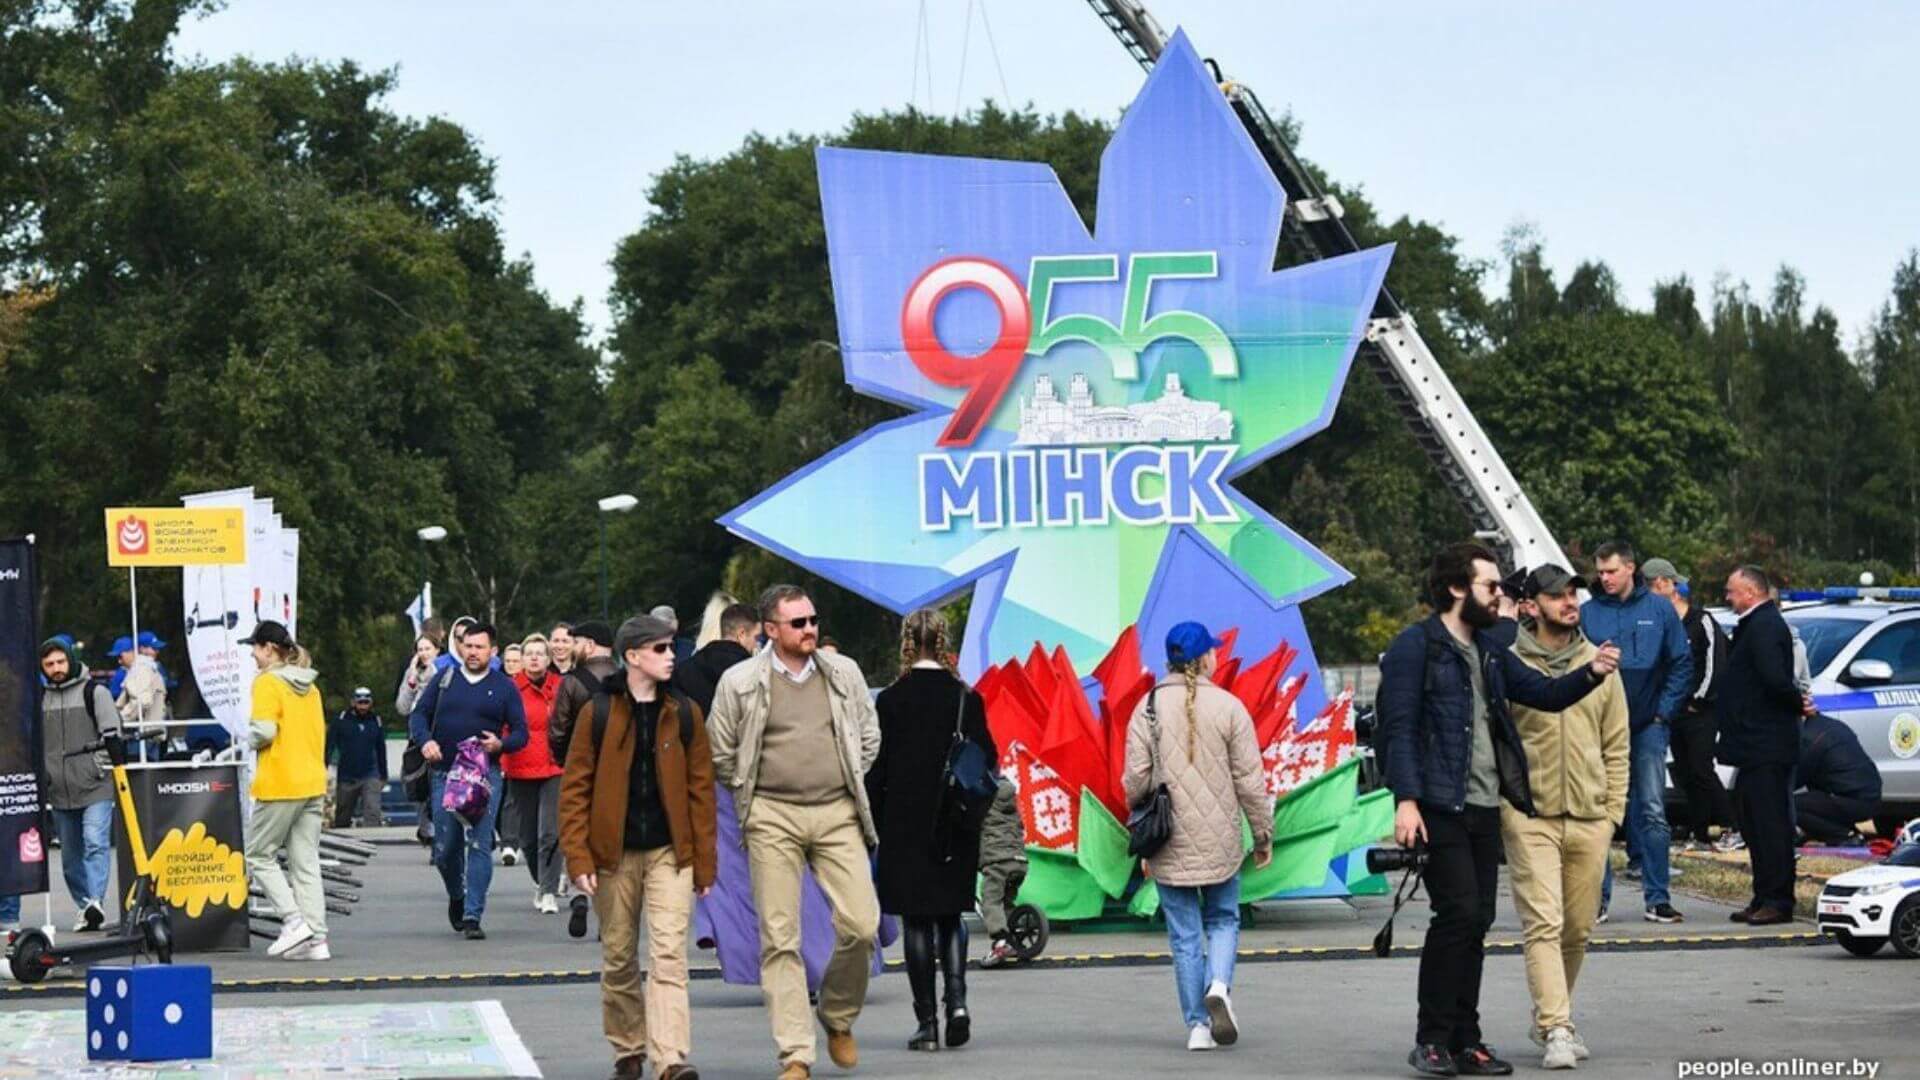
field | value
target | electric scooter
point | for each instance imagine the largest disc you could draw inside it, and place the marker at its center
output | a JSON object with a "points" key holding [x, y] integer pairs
{"points": [[145, 926]]}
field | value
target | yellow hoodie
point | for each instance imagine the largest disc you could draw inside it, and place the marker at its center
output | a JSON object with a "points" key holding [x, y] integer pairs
{"points": [[1576, 759], [286, 708]]}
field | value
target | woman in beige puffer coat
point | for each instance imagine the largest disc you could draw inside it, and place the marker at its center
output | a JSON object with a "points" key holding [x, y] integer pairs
{"points": [[1211, 767]]}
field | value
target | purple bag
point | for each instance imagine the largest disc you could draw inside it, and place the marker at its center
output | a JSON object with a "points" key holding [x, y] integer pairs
{"points": [[469, 786]]}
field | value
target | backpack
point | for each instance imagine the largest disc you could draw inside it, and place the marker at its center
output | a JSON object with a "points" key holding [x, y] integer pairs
{"points": [[413, 763]]}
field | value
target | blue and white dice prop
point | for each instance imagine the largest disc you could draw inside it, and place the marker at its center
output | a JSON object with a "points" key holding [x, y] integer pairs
{"points": [[153, 1012]]}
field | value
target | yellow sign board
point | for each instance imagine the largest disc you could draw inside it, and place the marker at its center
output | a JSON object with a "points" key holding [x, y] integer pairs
{"points": [[172, 536]]}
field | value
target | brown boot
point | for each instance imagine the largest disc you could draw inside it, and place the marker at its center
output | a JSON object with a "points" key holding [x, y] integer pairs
{"points": [[796, 1070], [842, 1049], [629, 1067], [682, 1071]]}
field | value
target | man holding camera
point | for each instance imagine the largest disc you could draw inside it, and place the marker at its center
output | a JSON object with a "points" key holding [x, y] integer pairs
{"points": [[1577, 768], [1450, 754]]}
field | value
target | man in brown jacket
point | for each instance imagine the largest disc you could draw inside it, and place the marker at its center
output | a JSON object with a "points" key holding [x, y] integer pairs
{"points": [[637, 829], [1577, 763]]}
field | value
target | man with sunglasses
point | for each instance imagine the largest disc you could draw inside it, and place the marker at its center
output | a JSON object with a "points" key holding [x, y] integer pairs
{"points": [[1451, 754], [794, 732]]}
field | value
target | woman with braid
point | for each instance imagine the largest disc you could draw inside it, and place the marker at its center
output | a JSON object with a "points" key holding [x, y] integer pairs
{"points": [[926, 871], [1198, 740]]}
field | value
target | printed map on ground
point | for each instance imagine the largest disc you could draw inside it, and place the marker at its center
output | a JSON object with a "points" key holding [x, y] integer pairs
{"points": [[437, 1039]]}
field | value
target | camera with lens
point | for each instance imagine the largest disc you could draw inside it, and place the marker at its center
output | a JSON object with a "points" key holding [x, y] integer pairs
{"points": [[1387, 860], [1395, 859]]}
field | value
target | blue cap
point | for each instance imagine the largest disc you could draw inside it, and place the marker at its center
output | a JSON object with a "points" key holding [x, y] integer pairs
{"points": [[120, 644], [1188, 642], [151, 640]]}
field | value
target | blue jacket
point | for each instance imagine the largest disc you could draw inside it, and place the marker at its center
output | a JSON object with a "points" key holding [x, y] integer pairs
{"points": [[358, 745], [1424, 713], [492, 704], [1655, 663]]}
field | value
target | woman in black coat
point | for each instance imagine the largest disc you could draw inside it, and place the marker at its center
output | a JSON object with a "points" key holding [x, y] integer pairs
{"points": [[926, 871]]}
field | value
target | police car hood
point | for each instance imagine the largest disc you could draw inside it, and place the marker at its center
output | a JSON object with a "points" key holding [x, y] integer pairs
{"points": [[1876, 875]]}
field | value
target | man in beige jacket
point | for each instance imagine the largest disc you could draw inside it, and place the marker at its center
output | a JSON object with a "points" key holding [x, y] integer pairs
{"points": [[794, 732], [1577, 762]]}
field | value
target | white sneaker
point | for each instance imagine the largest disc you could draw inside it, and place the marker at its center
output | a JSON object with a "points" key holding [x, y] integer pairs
{"points": [[1224, 1028], [1200, 1038], [1559, 1053], [509, 856], [293, 932], [547, 904], [1580, 1051], [310, 949], [92, 917]]}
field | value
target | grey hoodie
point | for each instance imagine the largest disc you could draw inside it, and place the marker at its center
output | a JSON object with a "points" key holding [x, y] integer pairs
{"points": [[75, 780]]}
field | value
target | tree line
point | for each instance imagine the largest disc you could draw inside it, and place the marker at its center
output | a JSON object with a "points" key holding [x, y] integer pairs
{"points": [[215, 274]]}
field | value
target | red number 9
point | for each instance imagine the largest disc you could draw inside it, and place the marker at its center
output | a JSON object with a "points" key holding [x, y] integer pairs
{"points": [[986, 376]]}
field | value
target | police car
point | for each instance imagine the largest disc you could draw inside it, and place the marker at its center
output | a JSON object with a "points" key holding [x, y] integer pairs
{"points": [[1866, 908], [1863, 655]]}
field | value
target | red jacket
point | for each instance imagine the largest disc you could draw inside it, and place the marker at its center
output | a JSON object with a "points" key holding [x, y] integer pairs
{"points": [[535, 760]]}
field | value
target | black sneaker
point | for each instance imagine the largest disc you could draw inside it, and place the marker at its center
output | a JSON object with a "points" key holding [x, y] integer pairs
{"points": [[1432, 1059], [457, 913], [1480, 1061], [1664, 913], [473, 931], [577, 915]]}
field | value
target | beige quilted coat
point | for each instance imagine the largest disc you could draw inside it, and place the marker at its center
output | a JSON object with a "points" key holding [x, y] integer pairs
{"points": [[1210, 792]]}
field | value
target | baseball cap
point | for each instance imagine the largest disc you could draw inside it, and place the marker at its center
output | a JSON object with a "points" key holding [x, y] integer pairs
{"points": [[120, 644], [595, 631], [1189, 641], [1661, 568], [151, 640], [640, 630], [269, 632], [1514, 585], [1549, 578], [361, 693]]}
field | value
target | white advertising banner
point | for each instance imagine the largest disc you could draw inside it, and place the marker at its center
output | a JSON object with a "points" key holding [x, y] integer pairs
{"points": [[290, 580], [263, 561], [217, 602]]}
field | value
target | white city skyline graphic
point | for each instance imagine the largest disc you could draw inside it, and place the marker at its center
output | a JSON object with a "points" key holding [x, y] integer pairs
{"points": [[1046, 420]]}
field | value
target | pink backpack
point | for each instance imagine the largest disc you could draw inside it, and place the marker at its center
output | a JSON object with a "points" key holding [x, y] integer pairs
{"points": [[469, 788]]}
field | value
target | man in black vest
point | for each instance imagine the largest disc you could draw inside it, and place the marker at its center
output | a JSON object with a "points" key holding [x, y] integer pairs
{"points": [[1760, 709]]}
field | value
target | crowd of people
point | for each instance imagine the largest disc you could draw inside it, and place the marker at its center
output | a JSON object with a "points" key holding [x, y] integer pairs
{"points": [[1518, 723]]}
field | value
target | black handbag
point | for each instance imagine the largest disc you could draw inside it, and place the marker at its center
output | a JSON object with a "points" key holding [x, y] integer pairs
{"points": [[1150, 821], [968, 783]]}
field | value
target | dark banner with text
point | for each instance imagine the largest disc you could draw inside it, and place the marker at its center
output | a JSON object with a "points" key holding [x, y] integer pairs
{"points": [[23, 831], [190, 819]]}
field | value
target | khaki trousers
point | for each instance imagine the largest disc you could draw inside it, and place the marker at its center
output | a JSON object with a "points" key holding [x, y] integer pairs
{"points": [[1556, 864], [782, 840], [658, 1022], [293, 825]]}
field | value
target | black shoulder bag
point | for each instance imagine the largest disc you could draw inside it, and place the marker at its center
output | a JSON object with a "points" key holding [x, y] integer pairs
{"points": [[968, 783], [1150, 821]]}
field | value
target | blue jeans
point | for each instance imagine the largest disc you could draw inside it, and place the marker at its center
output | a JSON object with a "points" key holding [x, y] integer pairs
{"points": [[1203, 927], [9, 911], [464, 853], [86, 850], [1647, 830]]}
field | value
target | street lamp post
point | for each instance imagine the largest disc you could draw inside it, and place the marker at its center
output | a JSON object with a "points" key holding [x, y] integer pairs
{"points": [[430, 534], [612, 504]]}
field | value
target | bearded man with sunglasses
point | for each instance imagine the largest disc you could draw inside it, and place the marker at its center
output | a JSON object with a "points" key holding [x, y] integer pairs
{"points": [[794, 732]]}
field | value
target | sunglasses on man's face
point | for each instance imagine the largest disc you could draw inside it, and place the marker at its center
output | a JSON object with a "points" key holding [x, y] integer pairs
{"points": [[661, 647], [800, 622]]}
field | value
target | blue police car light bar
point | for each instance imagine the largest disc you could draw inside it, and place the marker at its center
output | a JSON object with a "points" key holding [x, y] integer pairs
{"points": [[1903, 593]]}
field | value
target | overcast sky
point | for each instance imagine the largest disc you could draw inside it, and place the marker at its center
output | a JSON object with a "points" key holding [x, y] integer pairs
{"points": [[1703, 138]]}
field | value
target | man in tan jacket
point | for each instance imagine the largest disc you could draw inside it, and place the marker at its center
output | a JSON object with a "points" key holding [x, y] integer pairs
{"points": [[1577, 762], [794, 732], [637, 830]]}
